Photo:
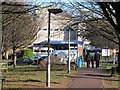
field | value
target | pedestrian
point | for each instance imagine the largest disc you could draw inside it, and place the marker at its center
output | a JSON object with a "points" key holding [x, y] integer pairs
{"points": [[92, 61], [88, 59], [97, 59]]}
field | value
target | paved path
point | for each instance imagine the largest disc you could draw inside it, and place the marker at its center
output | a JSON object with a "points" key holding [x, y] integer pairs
{"points": [[88, 78]]}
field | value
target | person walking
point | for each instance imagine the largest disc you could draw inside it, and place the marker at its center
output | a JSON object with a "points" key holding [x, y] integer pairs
{"points": [[97, 59], [88, 59], [92, 61]]}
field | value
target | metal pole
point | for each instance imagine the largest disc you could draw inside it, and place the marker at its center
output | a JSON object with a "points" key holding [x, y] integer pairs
{"points": [[77, 45], [107, 56], [0, 46], [48, 61], [69, 51], [1, 34]]}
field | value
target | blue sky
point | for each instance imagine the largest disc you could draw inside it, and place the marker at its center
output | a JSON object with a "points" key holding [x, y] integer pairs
{"points": [[65, 7], [47, 0], [66, 1], [73, 0]]}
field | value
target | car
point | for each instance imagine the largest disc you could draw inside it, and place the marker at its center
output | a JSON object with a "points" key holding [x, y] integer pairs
{"points": [[27, 61], [37, 60], [42, 58]]}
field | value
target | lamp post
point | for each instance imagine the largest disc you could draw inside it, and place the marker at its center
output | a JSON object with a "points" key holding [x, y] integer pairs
{"points": [[54, 11], [69, 50], [0, 49], [1, 41]]}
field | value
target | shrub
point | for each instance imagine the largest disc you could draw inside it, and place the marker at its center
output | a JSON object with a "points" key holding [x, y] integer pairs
{"points": [[28, 53]]}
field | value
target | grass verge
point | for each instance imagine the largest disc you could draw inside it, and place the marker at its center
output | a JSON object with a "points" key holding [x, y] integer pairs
{"points": [[115, 79], [31, 76]]}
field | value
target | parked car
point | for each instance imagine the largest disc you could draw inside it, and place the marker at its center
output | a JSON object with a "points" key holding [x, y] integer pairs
{"points": [[27, 61], [37, 60]]}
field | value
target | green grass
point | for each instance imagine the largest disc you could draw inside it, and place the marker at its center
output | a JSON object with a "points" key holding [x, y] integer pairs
{"points": [[106, 58], [115, 80], [32, 77], [29, 76], [108, 66]]}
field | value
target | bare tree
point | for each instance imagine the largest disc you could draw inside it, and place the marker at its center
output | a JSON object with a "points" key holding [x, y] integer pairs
{"points": [[19, 29], [101, 34], [107, 11], [112, 14]]}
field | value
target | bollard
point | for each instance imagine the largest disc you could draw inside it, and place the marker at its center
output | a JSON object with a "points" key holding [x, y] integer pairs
{"points": [[79, 62], [113, 69]]}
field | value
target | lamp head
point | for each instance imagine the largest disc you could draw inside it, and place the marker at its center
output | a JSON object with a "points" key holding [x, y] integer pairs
{"points": [[55, 11]]}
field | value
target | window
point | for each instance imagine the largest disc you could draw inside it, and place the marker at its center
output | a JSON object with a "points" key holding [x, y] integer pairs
{"points": [[45, 29], [36, 50], [55, 29]]}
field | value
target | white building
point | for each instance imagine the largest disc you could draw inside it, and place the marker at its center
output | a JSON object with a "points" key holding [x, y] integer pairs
{"points": [[57, 25], [58, 30]]}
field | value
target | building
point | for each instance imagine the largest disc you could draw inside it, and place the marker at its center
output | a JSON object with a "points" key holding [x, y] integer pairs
{"points": [[59, 29], [57, 25]]}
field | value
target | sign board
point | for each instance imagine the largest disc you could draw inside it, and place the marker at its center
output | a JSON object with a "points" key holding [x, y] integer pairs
{"points": [[105, 52], [73, 34], [66, 42]]}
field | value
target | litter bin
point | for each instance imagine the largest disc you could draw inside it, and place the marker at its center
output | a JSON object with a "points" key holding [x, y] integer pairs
{"points": [[79, 62]]}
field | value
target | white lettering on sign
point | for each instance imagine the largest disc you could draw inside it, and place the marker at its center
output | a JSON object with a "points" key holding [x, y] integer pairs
{"points": [[105, 52]]}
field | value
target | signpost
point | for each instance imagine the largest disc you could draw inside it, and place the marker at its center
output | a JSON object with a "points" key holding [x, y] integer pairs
{"points": [[106, 54]]}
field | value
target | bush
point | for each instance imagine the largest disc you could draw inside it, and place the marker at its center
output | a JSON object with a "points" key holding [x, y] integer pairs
{"points": [[28, 53]]}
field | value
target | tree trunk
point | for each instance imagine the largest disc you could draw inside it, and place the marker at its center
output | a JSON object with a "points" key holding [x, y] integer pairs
{"points": [[14, 57], [6, 54], [119, 58]]}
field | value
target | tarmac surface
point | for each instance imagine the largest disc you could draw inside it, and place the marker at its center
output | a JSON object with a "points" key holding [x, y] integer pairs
{"points": [[90, 78]]}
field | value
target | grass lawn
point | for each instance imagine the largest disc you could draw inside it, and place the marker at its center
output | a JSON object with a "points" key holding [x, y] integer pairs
{"points": [[30, 76], [115, 79]]}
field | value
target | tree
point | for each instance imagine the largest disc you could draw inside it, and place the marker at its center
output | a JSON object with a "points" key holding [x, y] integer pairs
{"points": [[19, 30], [107, 11], [101, 34], [112, 14], [16, 34]]}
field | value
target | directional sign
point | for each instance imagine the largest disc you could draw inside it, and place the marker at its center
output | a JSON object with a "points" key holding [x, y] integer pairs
{"points": [[105, 52]]}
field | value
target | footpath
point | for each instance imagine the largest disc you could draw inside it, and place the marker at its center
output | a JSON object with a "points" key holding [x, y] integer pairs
{"points": [[90, 78]]}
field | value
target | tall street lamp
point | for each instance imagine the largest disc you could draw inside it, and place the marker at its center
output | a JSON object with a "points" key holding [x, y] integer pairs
{"points": [[69, 50], [1, 41], [54, 11]]}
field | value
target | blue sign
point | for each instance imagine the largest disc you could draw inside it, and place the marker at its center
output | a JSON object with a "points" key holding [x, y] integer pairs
{"points": [[65, 42]]}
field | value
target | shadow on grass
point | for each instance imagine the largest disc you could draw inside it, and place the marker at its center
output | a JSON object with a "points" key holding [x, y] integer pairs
{"points": [[55, 69], [97, 75], [82, 77], [34, 68], [90, 76], [67, 76], [29, 80], [55, 82]]}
